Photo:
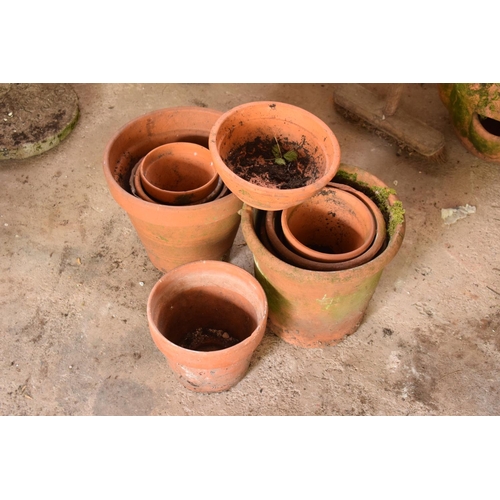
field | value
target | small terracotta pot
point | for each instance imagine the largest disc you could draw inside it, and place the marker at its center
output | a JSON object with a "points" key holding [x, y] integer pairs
{"points": [[171, 235], [283, 123], [317, 308], [179, 173], [271, 235], [331, 226], [207, 318]]}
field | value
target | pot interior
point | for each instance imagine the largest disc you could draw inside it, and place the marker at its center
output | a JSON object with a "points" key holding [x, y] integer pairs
{"points": [[205, 318]]}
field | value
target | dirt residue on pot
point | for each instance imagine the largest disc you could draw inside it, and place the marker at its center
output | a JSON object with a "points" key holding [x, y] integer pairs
{"points": [[255, 162], [208, 339]]}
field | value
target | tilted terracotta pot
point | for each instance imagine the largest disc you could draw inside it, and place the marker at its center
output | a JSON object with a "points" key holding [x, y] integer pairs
{"points": [[179, 173], [475, 115], [331, 226], [171, 235], [274, 120], [316, 308], [207, 318]]}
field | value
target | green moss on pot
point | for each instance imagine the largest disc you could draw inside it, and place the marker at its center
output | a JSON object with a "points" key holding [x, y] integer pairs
{"points": [[393, 214]]}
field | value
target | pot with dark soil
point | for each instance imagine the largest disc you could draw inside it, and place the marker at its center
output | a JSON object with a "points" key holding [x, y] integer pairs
{"points": [[273, 155], [207, 318]]}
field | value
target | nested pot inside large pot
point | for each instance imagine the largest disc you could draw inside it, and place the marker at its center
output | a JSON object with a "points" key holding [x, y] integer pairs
{"points": [[207, 318], [311, 308], [171, 235]]}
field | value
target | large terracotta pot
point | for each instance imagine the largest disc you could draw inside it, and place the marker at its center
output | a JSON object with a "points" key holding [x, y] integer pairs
{"points": [[286, 124], [207, 318], [317, 308], [475, 114], [171, 235]]}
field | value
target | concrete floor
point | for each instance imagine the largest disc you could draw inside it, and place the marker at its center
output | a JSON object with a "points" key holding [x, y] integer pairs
{"points": [[75, 280]]}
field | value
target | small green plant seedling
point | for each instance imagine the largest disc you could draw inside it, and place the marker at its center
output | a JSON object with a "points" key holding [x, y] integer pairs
{"points": [[283, 159]]}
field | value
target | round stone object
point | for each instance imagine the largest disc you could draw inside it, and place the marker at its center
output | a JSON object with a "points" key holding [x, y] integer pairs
{"points": [[35, 117]]}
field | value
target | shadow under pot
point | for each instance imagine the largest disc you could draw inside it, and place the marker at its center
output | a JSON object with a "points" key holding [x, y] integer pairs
{"points": [[179, 173], [207, 318]]}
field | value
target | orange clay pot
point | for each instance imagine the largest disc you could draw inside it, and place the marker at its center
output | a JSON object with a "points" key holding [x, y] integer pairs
{"points": [[276, 243], [171, 235], [287, 124], [225, 305], [331, 226], [315, 308], [179, 173]]}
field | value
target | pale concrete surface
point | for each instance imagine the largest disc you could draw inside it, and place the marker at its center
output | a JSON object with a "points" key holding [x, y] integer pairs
{"points": [[75, 279]]}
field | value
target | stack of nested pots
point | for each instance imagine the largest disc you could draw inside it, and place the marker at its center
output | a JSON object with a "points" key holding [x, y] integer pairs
{"points": [[320, 236], [159, 170]]}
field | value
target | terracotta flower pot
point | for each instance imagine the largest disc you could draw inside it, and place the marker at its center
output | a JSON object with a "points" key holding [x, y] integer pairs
{"points": [[275, 242], [171, 235], [331, 226], [317, 308], [475, 114], [179, 173], [252, 173], [207, 318]]}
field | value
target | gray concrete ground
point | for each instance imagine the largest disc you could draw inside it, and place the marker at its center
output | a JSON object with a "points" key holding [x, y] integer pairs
{"points": [[75, 279]]}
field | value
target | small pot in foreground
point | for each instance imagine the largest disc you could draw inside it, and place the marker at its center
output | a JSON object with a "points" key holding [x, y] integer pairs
{"points": [[316, 308], [288, 128], [207, 318], [172, 236]]}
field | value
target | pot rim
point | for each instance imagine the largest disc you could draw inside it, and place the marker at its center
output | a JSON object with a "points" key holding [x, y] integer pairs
{"points": [[221, 268]]}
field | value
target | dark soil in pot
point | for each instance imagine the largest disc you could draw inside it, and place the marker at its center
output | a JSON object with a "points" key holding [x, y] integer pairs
{"points": [[258, 161], [208, 339]]}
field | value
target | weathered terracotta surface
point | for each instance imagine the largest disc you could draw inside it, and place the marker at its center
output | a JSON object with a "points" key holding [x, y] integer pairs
{"points": [[207, 294], [171, 235], [466, 103], [314, 308], [179, 173], [273, 119], [331, 226]]}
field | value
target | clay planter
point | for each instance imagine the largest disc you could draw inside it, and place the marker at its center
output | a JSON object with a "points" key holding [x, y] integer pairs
{"points": [[475, 114], [207, 318], [316, 308], [171, 235], [271, 234], [179, 173], [331, 226], [238, 139]]}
